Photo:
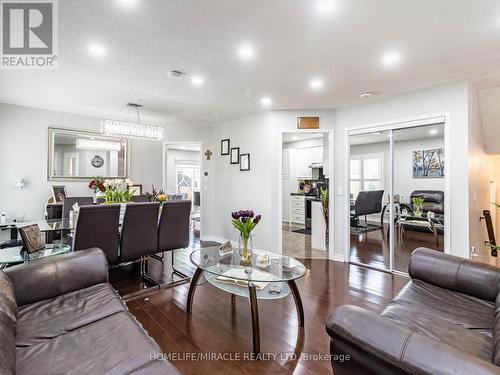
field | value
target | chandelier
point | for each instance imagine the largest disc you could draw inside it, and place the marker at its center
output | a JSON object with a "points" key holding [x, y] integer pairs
{"points": [[135, 130]]}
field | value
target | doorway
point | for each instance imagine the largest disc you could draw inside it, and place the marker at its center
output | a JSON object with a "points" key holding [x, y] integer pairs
{"points": [[305, 202], [398, 192], [182, 180]]}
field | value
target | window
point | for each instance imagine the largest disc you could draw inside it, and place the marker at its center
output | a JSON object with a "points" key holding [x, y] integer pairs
{"points": [[366, 173]]}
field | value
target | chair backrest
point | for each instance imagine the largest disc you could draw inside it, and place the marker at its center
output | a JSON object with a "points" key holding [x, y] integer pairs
{"points": [[173, 228], [70, 201], [139, 230], [140, 198], [433, 200], [98, 226], [196, 198], [369, 202]]}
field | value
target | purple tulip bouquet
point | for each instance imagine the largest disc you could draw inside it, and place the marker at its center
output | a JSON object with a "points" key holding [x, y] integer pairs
{"points": [[245, 222]]}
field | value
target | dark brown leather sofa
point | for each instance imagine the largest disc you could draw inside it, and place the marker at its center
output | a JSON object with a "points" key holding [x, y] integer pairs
{"points": [[61, 316], [446, 320]]}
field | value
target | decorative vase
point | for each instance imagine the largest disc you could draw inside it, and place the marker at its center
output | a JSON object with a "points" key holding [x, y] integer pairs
{"points": [[418, 210], [245, 245], [99, 195]]}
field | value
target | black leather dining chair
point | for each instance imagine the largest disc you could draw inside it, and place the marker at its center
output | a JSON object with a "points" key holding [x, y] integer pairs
{"points": [[174, 228], [367, 202], [98, 226], [70, 201], [139, 230]]}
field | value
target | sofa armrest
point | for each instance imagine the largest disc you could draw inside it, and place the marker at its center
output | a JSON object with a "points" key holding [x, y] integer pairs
{"points": [[454, 273], [381, 345], [51, 277]]}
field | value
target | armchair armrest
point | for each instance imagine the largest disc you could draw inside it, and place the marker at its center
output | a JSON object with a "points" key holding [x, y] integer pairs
{"points": [[454, 273], [50, 277], [379, 345]]}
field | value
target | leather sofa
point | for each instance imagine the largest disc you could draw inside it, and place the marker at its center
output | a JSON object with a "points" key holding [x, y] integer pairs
{"points": [[433, 200], [60, 315], [446, 320]]}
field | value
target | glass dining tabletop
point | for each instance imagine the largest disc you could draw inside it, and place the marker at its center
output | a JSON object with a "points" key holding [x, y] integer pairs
{"points": [[16, 254], [50, 225], [265, 266]]}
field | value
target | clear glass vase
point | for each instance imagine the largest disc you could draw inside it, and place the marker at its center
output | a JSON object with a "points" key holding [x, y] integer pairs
{"points": [[245, 245]]}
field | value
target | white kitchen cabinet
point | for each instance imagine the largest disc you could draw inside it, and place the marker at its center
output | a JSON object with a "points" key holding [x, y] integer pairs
{"points": [[297, 210], [304, 158]]}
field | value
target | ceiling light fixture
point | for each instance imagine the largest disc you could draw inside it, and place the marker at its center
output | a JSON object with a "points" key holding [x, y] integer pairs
{"points": [[246, 52], [132, 130], [325, 7], [197, 80], [94, 144], [266, 101], [96, 49], [366, 94], [316, 84], [127, 3], [433, 131], [391, 58], [175, 74]]}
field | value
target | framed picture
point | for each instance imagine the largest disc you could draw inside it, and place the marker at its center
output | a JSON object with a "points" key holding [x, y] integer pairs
{"points": [[224, 147], [244, 162], [428, 163], [307, 122], [235, 155], [137, 189], [59, 193]]}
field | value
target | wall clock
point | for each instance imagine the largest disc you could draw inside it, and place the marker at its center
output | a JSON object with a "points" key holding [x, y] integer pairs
{"points": [[97, 161]]}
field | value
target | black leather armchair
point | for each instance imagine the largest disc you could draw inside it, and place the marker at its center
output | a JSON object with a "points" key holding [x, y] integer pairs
{"points": [[446, 320], [367, 202]]}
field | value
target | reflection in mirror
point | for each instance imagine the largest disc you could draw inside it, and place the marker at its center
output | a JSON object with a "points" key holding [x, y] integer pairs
{"points": [[80, 154], [369, 189], [419, 185]]}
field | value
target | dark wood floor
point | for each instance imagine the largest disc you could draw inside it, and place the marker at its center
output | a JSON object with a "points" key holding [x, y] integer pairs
{"points": [[372, 248], [219, 326]]}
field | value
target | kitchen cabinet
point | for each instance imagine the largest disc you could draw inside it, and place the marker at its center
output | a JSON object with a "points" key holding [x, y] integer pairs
{"points": [[297, 210], [304, 158]]}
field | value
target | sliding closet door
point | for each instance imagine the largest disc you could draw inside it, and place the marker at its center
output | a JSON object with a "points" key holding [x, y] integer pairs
{"points": [[418, 186], [369, 189]]}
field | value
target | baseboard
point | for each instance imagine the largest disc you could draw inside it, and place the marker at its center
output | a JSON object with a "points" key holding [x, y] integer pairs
{"points": [[338, 258]]}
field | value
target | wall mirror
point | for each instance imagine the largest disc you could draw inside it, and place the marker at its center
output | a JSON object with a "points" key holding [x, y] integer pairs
{"points": [[82, 154]]}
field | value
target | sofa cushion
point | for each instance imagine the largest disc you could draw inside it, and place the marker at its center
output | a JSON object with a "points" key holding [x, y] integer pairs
{"points": [[496, 333], [7, 345], [8, 302], [50, 318], [113, 345], [457, 319]]}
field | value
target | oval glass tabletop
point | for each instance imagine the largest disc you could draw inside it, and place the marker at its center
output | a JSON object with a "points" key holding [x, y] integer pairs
{"points": [[265, 266], [17, 255]]}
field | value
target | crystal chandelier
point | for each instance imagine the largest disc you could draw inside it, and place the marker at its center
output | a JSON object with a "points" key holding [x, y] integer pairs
{"points": [[136, 130], [95, 144]]}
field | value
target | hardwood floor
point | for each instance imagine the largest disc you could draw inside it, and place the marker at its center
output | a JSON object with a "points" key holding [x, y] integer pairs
{"points": [[221, 326]]}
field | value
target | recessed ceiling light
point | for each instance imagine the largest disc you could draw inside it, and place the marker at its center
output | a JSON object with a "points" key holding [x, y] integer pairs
{"points": [[266, 101], [316, 84], [325, 7], [197, 80], [246, 52], [391, 58], [366, 94], [96, 49], [433, 131], [127, 3]]}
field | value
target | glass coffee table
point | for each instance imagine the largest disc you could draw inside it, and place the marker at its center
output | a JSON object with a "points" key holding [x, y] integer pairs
{"points": [[14, 255], [269, 275]]}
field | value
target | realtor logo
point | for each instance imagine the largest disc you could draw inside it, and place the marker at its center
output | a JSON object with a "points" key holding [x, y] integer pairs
{"points": [[29, 34]]}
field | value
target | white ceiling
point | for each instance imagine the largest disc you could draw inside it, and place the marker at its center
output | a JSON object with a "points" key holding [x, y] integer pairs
{"points": [[438, 41]]}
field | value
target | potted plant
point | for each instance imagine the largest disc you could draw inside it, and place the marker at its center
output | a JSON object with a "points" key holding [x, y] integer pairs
{"points": [[417, 205], [245, 222], [97, 185], [118, 191], [324, 204]]}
